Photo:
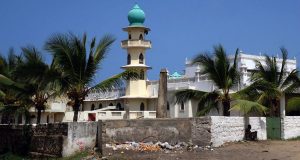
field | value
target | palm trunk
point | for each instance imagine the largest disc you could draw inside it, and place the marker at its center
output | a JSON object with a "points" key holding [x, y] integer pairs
{"points": [[76, 109], [226, 107], [38, 120]]}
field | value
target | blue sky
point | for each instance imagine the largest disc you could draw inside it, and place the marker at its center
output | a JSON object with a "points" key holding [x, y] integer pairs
{"points": [[179, 28]]}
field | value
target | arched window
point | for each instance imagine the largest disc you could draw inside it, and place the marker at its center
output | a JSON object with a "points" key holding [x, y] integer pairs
{"points": [[129, 36], [93, 107], [182, 106], [128, 58], [141, 58], [100, 105], [142, 75], [168, 106], [119, 106], [141, 37], [111, 104], [142, 107]]}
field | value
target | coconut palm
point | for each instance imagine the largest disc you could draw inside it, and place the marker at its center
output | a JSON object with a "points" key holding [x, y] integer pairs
{"points": [[79, 64], [40, 79], [271, 82], [223, 74], [11, 104]]}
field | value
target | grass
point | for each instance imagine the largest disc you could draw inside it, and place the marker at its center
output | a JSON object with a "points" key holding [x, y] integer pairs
{"points": [[10, 156], [77, 156]]}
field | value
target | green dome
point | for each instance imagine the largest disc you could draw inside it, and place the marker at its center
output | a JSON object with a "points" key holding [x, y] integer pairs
{"points": [[136, 16]]}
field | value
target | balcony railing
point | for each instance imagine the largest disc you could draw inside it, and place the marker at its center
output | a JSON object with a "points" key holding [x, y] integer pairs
{"points": [[136, 43], [103, 115]]}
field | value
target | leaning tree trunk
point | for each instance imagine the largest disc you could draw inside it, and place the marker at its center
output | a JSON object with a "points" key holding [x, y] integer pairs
{"points": [[76, 109], [226, 107]]}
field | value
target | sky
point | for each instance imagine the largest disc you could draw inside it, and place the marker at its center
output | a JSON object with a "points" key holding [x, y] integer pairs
{"points": [[180, 29]]}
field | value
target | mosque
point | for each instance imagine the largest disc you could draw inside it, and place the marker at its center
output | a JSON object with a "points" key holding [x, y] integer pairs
{"points": [[140, 95]]}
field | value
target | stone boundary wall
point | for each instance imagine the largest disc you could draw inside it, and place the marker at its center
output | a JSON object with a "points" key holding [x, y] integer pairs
{"points": [[290, 127], [189, 130], [48, 140], [231, 129]]}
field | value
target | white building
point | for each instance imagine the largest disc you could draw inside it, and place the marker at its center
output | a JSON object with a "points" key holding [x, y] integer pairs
{"points": [[140, 95]]}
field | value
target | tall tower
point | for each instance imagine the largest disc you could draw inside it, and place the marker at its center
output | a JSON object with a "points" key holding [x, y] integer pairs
{"points": [[136, 46]]}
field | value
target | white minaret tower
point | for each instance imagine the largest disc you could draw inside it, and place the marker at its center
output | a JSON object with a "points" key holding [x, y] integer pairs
{"points": [[136, 45]]}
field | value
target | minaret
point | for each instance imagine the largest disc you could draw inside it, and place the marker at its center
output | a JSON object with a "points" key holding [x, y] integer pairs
{"points": [[136, 45]]}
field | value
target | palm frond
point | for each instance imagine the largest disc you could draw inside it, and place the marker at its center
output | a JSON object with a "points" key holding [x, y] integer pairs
{"points": [[187, 94], [116, 81], [247, 107], [283, 63]]}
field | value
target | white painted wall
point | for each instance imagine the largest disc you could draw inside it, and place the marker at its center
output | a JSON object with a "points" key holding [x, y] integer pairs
{"points": [[290, 127], [81, 136], [231, 129]]}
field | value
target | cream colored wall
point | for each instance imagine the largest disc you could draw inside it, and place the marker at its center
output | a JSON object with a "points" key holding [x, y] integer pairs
{"points": [[152, 103], [135, 33], [135, 53], [88, 104], [134, 104], [136, 88]]}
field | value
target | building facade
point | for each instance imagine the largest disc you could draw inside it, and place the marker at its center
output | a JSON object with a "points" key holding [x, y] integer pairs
{"points": [[139, 96]]}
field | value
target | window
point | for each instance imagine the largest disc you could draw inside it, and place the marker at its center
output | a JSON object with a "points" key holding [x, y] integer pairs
{"points": [[93, 107], [142, 107], [141, 37], [141, 58], [142, 75], [111, 104], [100, 105], [168, 106], [119, 106], [182, 106], [128, 58], [129, 36]]}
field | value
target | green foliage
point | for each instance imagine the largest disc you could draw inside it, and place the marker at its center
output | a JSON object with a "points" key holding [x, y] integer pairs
{"points": [[10, 156], [224, 75], [247, 107], [293, 104], [270, 82]]}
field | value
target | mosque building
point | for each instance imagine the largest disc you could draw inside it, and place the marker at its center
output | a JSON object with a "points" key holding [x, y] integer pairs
{"points": [[140, 96]]}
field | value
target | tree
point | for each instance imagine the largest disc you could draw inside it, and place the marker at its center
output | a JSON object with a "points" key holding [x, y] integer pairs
{"points": [[79, 64], [41, 80], [11, 103], [270, 82], [223, 74]]}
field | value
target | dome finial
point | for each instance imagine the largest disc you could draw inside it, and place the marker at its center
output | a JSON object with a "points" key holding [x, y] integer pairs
{"points": [[136, 16]]}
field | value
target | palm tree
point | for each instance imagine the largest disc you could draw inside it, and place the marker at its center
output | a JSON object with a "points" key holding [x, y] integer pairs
{"points": [[79, 64], [40, 78], [223, 74], [11, 103], [271, 82]]}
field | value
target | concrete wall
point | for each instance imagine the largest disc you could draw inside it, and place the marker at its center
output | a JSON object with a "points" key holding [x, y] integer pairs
{"points": [[290, 127], [195, 130], [50, 140], [81, 136], [231, 129]]}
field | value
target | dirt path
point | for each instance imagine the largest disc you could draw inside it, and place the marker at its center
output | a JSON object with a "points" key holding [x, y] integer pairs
{"points": [[262, 150]]}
